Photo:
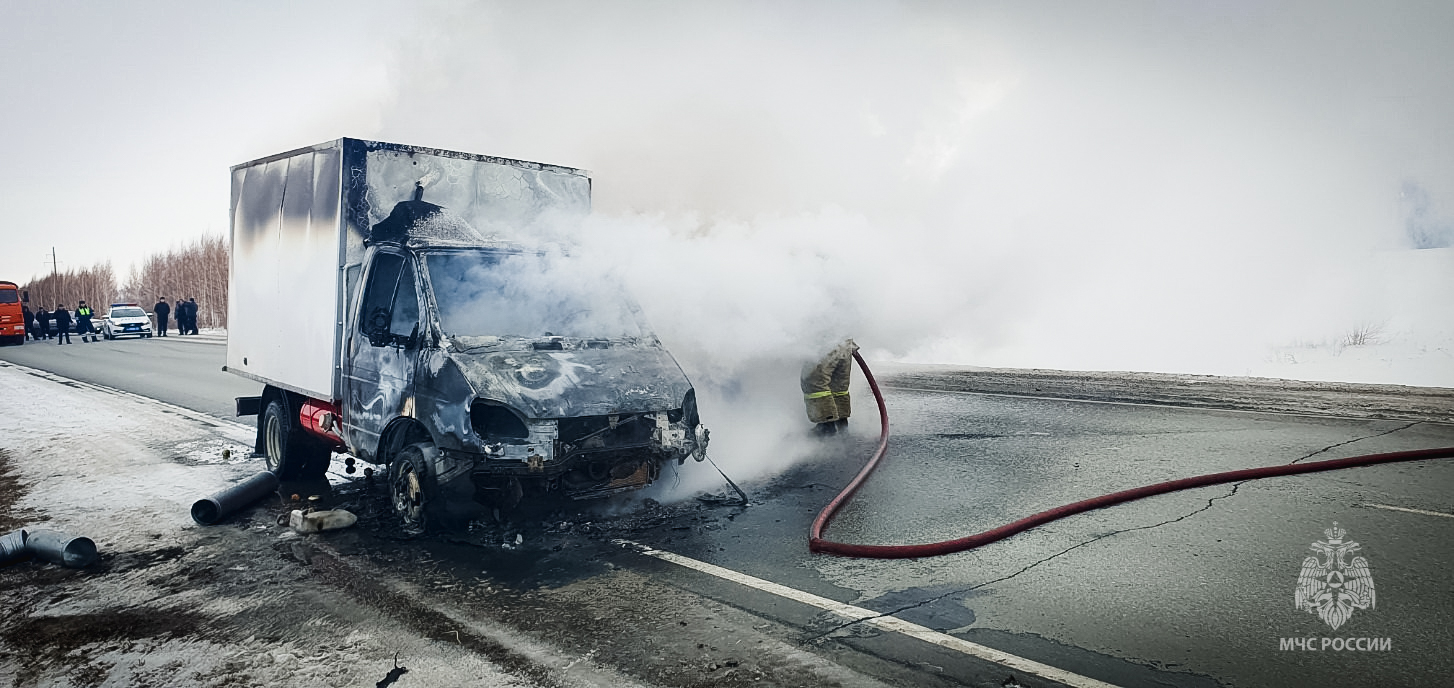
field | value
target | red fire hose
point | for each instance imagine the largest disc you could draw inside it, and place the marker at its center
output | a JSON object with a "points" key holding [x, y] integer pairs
{"points": [[816, 543]]}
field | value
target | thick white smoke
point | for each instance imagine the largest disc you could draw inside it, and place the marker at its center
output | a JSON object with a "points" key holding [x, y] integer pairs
{"points": [[1171, 188]]}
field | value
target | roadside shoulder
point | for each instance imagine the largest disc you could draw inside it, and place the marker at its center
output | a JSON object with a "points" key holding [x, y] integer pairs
{"points": [[1270, 395]]}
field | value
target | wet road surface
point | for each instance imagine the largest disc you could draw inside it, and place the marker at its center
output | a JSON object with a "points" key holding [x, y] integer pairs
{"points": [[1189, 589]]}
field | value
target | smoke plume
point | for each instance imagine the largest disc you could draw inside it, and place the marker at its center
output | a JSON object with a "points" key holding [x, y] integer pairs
{"points": [[1015, 184]]}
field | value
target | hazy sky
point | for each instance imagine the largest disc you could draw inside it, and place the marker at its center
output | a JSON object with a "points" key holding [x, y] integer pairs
{"points": [[955, 179]]}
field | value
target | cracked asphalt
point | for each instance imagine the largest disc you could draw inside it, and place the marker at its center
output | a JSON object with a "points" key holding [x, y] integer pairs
{"points": [[1187, 589]]}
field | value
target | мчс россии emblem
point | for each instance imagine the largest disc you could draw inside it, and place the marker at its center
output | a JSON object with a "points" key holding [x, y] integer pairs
{"points": [[1330, 585]]}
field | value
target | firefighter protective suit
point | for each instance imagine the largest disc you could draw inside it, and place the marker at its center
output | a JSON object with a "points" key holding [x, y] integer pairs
{"points": [[825, 385]]}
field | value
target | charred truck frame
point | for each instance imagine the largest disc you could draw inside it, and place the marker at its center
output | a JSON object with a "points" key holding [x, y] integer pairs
{"points": [[370, 297]]}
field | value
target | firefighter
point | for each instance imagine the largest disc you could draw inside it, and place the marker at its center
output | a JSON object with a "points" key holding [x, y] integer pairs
{"points": [[825, 388], [83, 321]]}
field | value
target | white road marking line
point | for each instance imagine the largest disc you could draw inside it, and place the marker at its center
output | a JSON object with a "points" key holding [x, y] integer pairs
{"points": [[234, 431], [1406, 509], [888, 623]]}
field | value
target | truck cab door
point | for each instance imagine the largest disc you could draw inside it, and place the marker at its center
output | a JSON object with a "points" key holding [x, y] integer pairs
{"points": [[379, 374]]}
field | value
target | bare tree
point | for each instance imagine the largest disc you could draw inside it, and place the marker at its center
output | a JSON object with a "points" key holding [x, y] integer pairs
{"points": [[196, 270], [96, 285]]}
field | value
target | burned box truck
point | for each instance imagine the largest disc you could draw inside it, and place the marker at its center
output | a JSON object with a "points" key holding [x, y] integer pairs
{"points": [[374, 298]]}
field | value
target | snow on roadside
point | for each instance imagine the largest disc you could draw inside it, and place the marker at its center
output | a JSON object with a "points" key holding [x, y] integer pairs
{"points": [[1388, 322], [104, 465], [170, 602], [1408, 339]]}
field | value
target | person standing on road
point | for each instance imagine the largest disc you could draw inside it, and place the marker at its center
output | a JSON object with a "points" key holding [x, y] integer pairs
{"points": [[162, 310], [83, 321], [180, 311], [184, 313], [825, 389], [42, 323], [63, 324], [29, 321], [192, 314]]}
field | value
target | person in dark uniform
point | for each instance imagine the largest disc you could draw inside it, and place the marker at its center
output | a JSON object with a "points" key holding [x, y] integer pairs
{"points": [[180, 311], [42, 323], [162, 310], [63, 324], [83, 321], [192, 315], [29, 321]]}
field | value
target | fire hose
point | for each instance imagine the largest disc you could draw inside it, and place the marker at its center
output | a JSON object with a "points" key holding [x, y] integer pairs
{"points": [[816, 542]]}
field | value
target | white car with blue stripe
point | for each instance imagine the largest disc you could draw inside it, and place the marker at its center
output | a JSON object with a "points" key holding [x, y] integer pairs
{"points": [[126, 320]]}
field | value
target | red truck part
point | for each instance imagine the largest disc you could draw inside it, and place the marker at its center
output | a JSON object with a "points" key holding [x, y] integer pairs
{"points": [[12, 320], [320, 418]]}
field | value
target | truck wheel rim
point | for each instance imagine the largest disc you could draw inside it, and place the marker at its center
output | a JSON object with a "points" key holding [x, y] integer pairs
{"points": [[407, 493], [273, 437]]}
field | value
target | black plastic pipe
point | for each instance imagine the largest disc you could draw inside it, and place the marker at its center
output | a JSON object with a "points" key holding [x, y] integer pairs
{"points": [[210, 510], [59, 548], [50, 545], [13, 549]]}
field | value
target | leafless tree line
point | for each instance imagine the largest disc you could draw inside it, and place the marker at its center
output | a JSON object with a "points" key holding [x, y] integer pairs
{"points": [[196, 270], [96, 285]]}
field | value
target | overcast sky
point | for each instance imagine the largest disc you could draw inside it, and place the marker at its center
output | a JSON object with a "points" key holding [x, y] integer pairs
{"points": [[1033, 170]]}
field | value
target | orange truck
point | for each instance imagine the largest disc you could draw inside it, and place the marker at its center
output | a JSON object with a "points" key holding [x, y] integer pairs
{"points": [[12, 321]]}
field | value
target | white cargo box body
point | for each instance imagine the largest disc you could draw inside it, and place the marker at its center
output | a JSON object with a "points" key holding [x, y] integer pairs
{"points": [[299, 220]]}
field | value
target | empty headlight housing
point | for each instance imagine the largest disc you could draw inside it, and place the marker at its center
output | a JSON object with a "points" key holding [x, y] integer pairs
{"points": [[688, 412], [495, 422], [505, 436]]}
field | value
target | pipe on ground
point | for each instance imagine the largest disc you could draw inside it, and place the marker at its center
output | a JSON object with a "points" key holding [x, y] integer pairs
{"points": [[61, 549], [816, 542], [209, 510], [13, 549], [50, 545]]}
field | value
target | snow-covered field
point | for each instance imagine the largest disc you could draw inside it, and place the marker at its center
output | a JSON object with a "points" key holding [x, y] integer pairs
{"points": [[1407, 339], [1380, 317]]}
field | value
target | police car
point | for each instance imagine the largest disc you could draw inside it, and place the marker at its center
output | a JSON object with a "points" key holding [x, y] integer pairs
{"points": [[126, 320]]}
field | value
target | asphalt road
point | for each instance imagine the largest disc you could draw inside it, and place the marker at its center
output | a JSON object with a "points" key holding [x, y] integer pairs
{"points": [[1189, 589], [186, 371]]}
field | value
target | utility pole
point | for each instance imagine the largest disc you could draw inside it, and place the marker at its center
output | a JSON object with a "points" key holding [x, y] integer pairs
{"points": [[53, 261]]}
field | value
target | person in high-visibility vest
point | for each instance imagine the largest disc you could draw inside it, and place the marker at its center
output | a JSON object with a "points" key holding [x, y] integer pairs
{"points": [[825, 388], [83, 322]]}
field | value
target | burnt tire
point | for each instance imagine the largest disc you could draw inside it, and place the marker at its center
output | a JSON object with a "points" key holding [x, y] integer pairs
{"points": [[288, 451], [412, 488]]}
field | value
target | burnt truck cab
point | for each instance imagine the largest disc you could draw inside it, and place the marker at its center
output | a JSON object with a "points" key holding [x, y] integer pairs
{"points": [[371, 296], [476, 366]]}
